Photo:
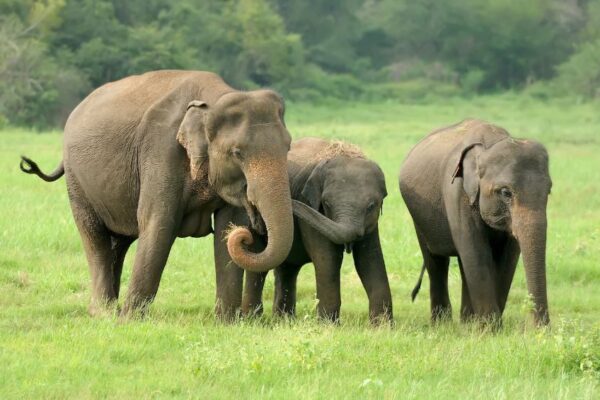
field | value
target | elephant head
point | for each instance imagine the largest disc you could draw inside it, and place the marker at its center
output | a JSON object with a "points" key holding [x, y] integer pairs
{"points": [[345, 198], [509, 183], [242, 139]]}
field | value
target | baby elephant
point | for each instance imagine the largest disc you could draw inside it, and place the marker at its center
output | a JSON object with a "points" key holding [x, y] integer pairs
{"points": [[478, 194], [338, 195]]}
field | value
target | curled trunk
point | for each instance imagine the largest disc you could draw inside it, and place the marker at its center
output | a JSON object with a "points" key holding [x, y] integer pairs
{"points": [[531, 234], [269, 192], [336, 232]]}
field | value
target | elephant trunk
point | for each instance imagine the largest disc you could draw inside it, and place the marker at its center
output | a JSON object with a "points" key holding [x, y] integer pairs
{"points": [[338, 233], [530, 231], [269, 191]]}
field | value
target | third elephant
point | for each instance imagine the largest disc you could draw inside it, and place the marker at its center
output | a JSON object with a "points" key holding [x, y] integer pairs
{"points": [[478, 194], [337, 199]]}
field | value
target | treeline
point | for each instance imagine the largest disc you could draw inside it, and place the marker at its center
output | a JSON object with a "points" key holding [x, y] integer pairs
{"points": [[53, 52]]}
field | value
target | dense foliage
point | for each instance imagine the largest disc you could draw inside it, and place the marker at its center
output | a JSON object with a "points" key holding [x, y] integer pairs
{"points": [[53, 52]]}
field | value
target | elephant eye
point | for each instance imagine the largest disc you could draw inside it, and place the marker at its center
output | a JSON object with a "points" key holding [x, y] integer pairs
{"points": [[371, 206], [236, 153], [505, 192]]}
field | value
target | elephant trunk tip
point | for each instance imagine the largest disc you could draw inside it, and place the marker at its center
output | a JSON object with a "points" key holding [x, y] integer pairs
{"points": [[238, 239]]}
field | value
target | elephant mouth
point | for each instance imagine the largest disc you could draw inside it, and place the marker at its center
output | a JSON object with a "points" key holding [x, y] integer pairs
{"points": [[348, 247], [500, 222], [256, 221]]}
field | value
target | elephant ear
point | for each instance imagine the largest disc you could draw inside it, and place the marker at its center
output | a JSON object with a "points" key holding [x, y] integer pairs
{"points": [[467, 169], [192, 135], [381, 179], [313, 188]]}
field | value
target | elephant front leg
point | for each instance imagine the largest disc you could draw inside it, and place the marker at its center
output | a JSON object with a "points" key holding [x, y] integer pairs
{"points": [[328, 290], [479, 283], [229, 277], [327, 259], [154, 245], [370, 266], [472, 243], [466, 308], [286, 277], [252, 304], [506, 270]]}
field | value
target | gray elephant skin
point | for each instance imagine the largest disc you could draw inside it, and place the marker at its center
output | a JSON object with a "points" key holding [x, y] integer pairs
{"points": [[476, 193], [150, 157], [338, 196]]}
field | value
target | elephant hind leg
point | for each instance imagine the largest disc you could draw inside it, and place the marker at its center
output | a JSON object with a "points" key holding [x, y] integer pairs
{"points": [[120, 245], [104, 254], [437, 269], [105, 263]]}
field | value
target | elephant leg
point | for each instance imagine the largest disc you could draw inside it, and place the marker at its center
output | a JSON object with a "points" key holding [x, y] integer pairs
{"points": [[154, 245], [370, 266], [507, 265], [252, 304], [229, 282], [120, 245], [327, 259], [480, 278], [328, 290], [229, 277], [284, 302], [104, 261], [437, 270], [466, 308]]}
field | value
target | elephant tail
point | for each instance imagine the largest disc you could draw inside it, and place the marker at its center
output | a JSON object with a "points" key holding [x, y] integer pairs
{"points": [[30, 167], [415, 291]]}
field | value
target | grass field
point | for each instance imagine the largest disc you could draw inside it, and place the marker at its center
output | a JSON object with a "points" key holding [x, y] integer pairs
{"points": [[51, 348]]}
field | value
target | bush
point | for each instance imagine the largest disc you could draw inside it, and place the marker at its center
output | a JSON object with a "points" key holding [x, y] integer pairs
{"points": [[416, 90], [581, 74]]}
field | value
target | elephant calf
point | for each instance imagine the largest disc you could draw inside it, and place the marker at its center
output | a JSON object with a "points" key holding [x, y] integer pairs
{"points": [[338, 195], [478, 194]]}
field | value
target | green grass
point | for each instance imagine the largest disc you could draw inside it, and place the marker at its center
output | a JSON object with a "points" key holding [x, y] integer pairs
{"points": [[51, 348]]}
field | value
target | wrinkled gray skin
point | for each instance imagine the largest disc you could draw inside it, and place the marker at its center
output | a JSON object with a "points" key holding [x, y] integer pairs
{"points": [[337, 204], [150, 157], [478, 194]]}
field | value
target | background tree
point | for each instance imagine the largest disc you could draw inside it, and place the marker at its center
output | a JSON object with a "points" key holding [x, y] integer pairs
{"points": [[53, 52]]}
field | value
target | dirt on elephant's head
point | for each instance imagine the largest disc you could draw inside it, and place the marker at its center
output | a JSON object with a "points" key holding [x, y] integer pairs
{"points": [[339, 148]]}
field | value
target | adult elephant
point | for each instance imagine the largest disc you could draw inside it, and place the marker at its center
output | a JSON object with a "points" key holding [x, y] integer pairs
{"points": [[476, 193], [151, 156], [338, 196]]}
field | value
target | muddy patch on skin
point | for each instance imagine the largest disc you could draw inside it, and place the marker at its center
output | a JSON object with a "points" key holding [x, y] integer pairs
{"points": [[200, 185], [339, 148]]}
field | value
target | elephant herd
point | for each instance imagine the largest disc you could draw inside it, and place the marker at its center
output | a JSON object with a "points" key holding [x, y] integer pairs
{"points": [[158, 156]]}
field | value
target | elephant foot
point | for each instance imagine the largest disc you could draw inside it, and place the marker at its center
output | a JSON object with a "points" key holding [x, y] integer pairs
{"points": [[284, 313], [227, 314], [329, 316], [441, 314], [134, 310], [466, 314], [103, 308], [382, 319], [492, 323], [253, 310], [486, 323]]}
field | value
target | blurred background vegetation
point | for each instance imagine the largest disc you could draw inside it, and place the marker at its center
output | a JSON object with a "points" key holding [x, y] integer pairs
{"points": [[54, 52]]}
